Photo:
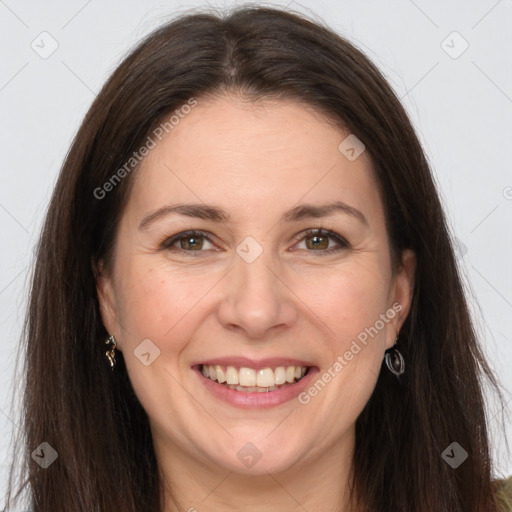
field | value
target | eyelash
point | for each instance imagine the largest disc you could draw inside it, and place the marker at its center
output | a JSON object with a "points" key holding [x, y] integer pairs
{"points": [[343, 244]]}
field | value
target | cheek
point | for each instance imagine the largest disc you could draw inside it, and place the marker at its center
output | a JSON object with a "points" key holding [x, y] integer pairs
{"points": [[160, 304], [349, 304], [151, 301], [163, 307], [347, 300]]}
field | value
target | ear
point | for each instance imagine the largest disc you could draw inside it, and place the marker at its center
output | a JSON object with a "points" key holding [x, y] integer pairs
{"points": [[107, 301], [402, 292]]}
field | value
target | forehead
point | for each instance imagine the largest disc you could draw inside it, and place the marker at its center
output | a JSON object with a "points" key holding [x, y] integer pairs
{"points": [[244, 156]]}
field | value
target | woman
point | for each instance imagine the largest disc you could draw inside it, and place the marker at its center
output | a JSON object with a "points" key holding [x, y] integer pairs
{"points": [[246, 295]]}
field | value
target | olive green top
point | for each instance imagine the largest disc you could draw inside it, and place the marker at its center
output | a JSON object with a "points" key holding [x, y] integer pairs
{"points": [[504, 494]]}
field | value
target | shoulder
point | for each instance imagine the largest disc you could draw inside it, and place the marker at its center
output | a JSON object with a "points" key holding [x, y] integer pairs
{"points": [[504, 493]]}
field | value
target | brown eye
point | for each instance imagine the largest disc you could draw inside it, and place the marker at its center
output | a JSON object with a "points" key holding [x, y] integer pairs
{"points": [[190, 241], [318, 240]]}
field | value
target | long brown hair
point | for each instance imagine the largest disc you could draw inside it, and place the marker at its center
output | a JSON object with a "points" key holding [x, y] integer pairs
{"points": [[91, 416]]}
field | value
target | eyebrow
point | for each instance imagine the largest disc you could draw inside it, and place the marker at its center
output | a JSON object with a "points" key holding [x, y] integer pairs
{"points": [[217, 214]]}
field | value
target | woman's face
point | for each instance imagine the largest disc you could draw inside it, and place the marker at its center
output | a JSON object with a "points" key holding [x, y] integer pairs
{"points": [[252, 294]]}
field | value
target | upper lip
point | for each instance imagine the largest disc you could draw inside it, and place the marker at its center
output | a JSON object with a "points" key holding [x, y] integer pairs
{"points": [[257, 364]]}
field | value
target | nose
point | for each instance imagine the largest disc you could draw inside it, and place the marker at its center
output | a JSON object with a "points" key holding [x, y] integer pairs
{"points": [[256, 300]]}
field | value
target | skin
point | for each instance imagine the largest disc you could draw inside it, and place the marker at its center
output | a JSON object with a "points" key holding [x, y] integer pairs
{"points": [[256, 161]]}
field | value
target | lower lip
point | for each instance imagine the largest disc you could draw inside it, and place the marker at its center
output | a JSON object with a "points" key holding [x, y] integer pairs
{"points": [[256, 400]]}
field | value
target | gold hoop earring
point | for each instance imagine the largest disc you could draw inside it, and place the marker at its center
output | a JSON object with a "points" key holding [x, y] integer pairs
{"points": [[111, 353]]}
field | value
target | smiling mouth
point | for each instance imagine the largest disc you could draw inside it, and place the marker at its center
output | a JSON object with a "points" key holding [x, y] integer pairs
{"points": [[250, 380]]}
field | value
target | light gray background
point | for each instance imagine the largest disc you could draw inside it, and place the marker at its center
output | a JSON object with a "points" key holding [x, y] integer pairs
{"points": [[461, 107]]}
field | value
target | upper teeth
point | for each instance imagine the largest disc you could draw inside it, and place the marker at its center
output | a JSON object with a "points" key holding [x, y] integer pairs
{"points": [[265, 377]]}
